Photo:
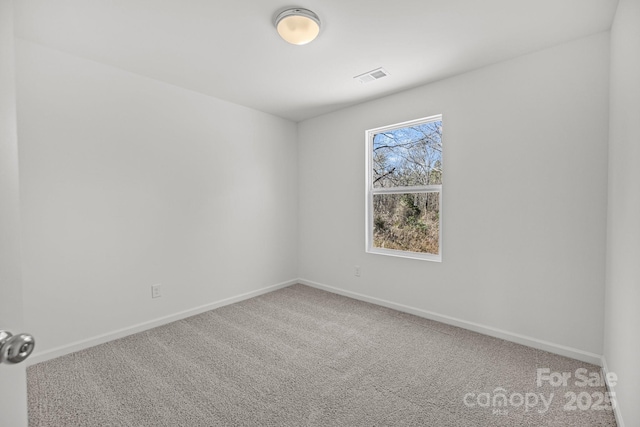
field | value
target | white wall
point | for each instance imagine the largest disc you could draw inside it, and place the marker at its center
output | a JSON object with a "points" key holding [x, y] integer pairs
{"points": [[622, 316], [524, 197], [127, 182]]}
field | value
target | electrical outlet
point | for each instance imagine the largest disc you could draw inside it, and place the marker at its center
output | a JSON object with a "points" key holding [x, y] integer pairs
{"points": [[156, 291], [356, 271]]}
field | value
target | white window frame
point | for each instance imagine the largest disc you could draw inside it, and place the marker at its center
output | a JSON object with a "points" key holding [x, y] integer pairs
{"points": [[371, 191]]}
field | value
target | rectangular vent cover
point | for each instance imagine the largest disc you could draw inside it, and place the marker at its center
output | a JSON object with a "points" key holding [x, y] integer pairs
{"points": [[372, 75]]}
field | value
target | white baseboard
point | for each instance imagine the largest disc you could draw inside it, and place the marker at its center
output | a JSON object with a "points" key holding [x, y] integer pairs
{"points": [[573, 353], [562, 350], [616, 409], [38, 357]]}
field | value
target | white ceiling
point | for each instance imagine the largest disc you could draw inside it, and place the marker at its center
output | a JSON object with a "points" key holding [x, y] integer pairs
{"points": [[229, 48]]}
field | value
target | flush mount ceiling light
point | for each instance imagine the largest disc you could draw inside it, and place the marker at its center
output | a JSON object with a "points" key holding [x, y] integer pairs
{"points": [[298, 26]]}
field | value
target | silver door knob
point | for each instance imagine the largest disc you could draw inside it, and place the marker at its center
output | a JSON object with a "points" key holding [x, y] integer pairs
{"points": [[14, 349]]}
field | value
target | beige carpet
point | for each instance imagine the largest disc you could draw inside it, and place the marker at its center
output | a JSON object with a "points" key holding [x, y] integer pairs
{"points": [[305, 357]]}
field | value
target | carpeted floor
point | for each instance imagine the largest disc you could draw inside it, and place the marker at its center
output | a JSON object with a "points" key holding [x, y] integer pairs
{"points": [[304, 357]]}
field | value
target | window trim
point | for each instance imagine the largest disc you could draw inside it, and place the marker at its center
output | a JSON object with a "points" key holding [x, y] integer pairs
{"points": [[370, 191]]}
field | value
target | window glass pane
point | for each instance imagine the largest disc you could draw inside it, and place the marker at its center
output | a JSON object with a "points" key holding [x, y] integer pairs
{"points": [[407, 222], [408, 156]]}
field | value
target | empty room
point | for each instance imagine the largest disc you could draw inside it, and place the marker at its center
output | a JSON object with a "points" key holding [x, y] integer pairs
{"points": [[325, 213]]}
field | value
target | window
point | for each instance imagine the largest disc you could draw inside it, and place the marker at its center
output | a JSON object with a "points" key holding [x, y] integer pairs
{"points": [[404, 189]]}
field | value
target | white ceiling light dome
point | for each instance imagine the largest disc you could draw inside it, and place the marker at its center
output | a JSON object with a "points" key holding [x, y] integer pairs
{"points": [[298, 26]]}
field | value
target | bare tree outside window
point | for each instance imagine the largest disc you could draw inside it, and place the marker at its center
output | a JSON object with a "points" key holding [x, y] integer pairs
{"points": [[405, 185]]}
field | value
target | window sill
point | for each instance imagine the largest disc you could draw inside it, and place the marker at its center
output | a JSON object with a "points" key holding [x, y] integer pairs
{"points": [[405, 254]]}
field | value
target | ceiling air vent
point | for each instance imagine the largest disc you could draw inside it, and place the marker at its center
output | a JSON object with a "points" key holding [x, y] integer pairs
{"points": [[372, 75]]}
